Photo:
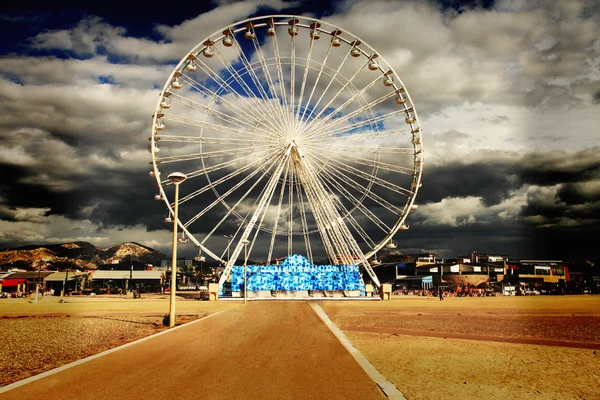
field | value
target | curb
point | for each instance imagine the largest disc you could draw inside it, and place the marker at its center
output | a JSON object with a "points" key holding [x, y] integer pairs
{"points": [[390, 391], [93, 357]]}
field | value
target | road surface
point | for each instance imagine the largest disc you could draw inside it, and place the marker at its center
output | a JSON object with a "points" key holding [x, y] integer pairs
{"points": [[261, 350]]}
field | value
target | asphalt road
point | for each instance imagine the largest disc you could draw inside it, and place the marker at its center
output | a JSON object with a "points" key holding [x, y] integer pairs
{"points": [[263, 350]]}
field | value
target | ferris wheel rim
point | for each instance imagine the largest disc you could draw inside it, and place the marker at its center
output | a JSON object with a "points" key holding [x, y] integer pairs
{"points": [[198, 48]]}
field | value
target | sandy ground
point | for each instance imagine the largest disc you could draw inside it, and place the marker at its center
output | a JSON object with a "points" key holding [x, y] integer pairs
{"points": [[426, 367], [38, 337], [464, 362]]}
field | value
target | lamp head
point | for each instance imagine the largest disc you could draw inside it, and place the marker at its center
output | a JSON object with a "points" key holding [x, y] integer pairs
{"points": [[177, 177]]}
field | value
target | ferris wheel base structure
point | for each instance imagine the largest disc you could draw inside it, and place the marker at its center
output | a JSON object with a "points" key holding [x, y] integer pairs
{"points": [[297, 278]]}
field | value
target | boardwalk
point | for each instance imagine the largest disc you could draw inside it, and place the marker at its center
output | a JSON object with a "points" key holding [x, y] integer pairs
{"points": [[263, 350]]}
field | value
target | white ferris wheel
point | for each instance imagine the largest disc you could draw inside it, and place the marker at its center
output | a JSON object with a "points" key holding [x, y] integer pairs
{"points": [[295, 137]]}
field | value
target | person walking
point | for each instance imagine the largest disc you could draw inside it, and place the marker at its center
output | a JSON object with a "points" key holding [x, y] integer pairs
{"points": [[441, 292]]}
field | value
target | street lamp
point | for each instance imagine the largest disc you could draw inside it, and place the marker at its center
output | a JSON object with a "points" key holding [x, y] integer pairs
{"points": [[229, 238], [245, 243], [176, 178], [130, 282]]}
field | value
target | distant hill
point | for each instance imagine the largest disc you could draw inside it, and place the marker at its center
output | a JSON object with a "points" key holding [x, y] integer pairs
{"points": [[75, 255]]}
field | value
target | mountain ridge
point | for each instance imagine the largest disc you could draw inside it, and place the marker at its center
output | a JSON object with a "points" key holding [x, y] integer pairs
{"points": [[75, 255]]}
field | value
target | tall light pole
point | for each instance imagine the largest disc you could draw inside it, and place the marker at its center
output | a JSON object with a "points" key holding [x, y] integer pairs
{"points": [[245, 243], [176, 178], [229, 237], [130, 282]]}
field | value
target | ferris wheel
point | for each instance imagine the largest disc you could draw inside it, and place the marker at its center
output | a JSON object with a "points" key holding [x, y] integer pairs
{"points": [[295, 136]]}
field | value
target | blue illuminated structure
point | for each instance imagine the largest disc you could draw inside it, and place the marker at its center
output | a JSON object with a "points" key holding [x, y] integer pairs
{"points": [[297, 273]]}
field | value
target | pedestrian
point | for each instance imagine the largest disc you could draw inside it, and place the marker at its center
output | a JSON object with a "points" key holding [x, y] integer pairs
{"points": [[441, 292]]}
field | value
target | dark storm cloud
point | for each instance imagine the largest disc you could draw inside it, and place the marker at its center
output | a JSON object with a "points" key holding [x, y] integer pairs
{"points": [[119, 198], [573, 193], [493, 180]]}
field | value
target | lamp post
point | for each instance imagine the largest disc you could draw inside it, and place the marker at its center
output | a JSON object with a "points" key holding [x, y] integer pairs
{"points": [[245, 243], [64, 291], [130, 282], [229, 238], [176, 178]]}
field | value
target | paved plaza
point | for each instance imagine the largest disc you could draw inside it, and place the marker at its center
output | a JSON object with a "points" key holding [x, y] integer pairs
{"points": [[264, 350]]}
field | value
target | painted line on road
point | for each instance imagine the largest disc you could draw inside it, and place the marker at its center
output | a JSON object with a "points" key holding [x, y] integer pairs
{"points": [[386, 386], [93, 357]]}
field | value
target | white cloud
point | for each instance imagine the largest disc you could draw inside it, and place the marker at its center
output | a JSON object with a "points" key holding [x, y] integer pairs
{"points": [[92, 34], [470, 210], [34, 227]]}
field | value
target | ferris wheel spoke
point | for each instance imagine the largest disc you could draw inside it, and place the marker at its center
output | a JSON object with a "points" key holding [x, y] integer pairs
{"points": [[264, 214], [216, 127], [230, 191], [351, 100], [280, 78], [329, 178], [317, 121], [353, 127], [275, 123], [319, 219], [349, 136], [207, 140], [210, 154], [325, 129], [240, 108], [348, 214], [341, 154], [369, 149], [205, 125], [256, 163], [245, 107], [278, 213], [271, 85], [231, 210], [236, 77], [304, 77], [364, 175], [226, 118], [213, 168], [271, 185], [318, 78], [305, 229], [342, 239], [293, 75], [340, 173], [291, 207], [305, 123]]}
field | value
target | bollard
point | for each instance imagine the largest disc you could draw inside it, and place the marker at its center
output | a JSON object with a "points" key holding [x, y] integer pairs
{"points": [[386, 291], [213, 291]]}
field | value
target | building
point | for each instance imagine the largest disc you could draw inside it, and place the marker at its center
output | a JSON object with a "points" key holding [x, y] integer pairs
{"points": [[124, 280], [27, 279], [181, 263], [544, 276], [70, 281]]}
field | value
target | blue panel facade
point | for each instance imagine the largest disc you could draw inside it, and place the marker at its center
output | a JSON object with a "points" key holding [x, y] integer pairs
{"points": [[297, 273]]}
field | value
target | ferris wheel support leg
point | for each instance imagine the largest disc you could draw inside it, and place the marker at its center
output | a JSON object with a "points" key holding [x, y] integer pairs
{"points": [[261, 205]]}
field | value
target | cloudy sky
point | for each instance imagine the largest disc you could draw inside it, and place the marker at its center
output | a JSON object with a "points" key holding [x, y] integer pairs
{"points": [[508, 93]]}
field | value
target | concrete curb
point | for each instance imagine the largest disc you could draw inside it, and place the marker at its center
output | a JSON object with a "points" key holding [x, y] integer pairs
{"points": [[386, 386], [93, 357]]}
